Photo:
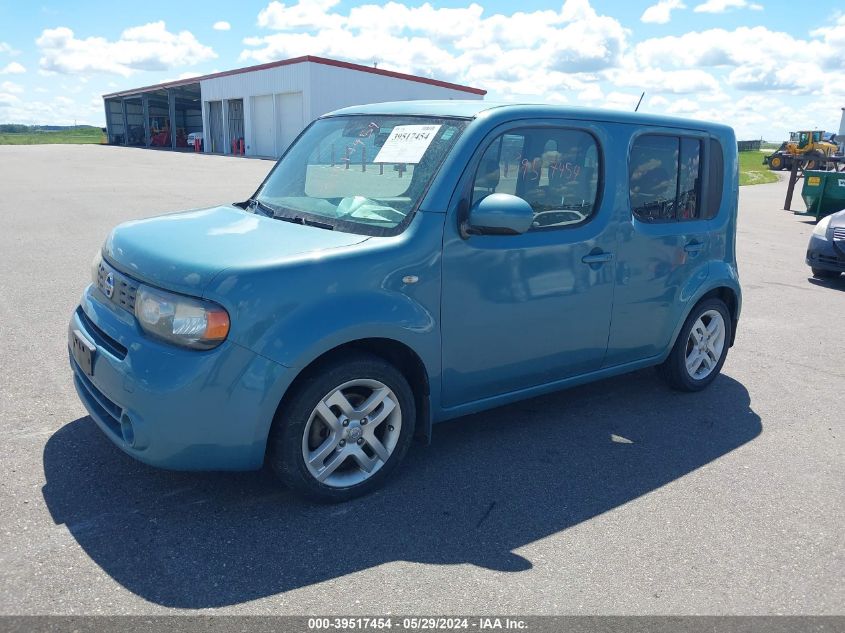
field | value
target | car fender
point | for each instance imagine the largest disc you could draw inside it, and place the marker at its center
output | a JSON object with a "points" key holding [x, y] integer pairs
{"points": [[385, 315], [719, 275]]}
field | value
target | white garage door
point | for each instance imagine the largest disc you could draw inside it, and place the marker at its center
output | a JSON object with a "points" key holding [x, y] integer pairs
{"points": [[289, 119], [263, 131]]}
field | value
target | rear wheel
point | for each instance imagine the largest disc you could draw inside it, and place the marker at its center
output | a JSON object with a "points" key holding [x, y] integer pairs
{"points": [[344, 430], [818, 273], [817, 161], [701, 348], [775, 163]]}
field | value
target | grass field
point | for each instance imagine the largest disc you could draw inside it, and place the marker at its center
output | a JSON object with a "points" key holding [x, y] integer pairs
{"points": [[752, 171], [79, 135]]}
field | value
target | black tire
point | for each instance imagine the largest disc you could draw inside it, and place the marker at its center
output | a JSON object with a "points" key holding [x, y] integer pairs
{"points": [[815, 162], [818, 273], [674, 371], [285, 445], [776, 162]]}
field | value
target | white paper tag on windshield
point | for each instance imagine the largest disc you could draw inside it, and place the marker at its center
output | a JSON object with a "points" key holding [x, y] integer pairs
{"points": [[407, 144]]}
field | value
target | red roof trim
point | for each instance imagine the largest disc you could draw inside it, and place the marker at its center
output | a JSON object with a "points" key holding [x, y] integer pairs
{"points": [[298, 60]]}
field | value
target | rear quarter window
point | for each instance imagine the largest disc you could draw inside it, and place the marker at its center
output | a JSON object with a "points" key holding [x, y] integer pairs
{"points": [[666, 178], [716, 178], [653, 178]]}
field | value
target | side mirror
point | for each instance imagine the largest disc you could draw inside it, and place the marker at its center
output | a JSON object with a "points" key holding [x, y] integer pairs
{"points": [[499, 214]]}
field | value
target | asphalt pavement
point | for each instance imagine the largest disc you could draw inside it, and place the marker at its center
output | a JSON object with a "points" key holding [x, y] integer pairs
{"points": [[619, 497]]}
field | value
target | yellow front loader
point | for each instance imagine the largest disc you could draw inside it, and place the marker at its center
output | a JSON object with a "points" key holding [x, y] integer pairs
{"points": [[813, 144]]}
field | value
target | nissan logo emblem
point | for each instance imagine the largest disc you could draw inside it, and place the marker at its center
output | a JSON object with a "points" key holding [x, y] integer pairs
{"points": [[108, 285]]}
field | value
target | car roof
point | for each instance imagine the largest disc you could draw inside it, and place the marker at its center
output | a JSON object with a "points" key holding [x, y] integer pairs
{"points": [[470, 109], [449, 108]]}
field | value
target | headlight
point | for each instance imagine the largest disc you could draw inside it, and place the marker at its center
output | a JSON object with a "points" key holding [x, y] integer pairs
{"points": [[821, 227], [95, 267], [181, 320]]}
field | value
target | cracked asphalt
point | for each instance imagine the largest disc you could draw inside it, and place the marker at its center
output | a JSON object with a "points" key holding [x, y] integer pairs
{"points": [[619, 497]]}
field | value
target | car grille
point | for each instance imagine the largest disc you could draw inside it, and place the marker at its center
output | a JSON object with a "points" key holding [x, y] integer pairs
{"points": [[839, 233], [108, 411], [121, 291], [111, 345], [832, 261]]}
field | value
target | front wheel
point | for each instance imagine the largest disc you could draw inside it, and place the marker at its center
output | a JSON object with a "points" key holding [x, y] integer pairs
{"points": [[344, 430], [702, 346]]}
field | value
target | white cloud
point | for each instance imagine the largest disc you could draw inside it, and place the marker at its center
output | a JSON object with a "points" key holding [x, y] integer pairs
{"points": [[535, 53], [591, 93], [661, 12], [10, 86], [12, 68], [147, 47], [720, 6], [655, 80], [50, 112], [683, 106], [796, 78], [833, 37], [756, 59], [441, 25], [222, 25], [8, 50], [621, 100], [743, 46], [309, 14]]}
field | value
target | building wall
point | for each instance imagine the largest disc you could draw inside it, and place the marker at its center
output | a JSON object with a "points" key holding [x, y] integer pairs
{"points": [[333, 88], [301, 93], [114, 120], [251, 87]]}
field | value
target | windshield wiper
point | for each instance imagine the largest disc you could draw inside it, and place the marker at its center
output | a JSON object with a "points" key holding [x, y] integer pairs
{"points": [[263, 207], [297, 219], [278, 213]]}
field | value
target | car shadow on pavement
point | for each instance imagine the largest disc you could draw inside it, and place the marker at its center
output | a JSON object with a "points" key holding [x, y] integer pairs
{"points": [[833, 284], [490, 483]]}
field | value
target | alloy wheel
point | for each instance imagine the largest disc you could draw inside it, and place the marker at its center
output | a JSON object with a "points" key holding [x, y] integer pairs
{"points": [[351, 433], [705, 344]]}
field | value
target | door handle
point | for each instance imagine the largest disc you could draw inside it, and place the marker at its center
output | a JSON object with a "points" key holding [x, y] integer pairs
{"points": [[693, 247], [597, 258]]}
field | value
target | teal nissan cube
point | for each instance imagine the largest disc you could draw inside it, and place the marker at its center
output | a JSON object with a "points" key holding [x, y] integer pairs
{"points": [[404, 264]]}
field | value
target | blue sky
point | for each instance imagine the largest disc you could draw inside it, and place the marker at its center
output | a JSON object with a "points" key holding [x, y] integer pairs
{"points": [[763, 66]]}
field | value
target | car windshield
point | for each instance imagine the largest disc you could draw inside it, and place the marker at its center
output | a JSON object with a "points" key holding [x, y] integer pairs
{"points": [[360, 174]]}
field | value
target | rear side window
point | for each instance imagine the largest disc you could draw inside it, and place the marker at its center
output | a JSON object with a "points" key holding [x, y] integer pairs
{"points": [[555, 170], [665, 178], [715, 179]]}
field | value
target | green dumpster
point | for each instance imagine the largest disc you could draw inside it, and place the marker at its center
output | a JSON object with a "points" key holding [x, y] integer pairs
{"points": [[823, 192]]}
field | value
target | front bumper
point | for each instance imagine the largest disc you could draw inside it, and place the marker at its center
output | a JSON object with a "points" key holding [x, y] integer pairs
{"points": [[826, 254], [171, 407]]}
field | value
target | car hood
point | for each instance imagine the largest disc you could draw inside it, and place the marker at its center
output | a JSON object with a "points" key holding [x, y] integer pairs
{"points": [[185, 251]]}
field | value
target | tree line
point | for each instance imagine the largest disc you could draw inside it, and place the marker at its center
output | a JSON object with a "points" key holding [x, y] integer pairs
{"points": [[18, 128]]}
